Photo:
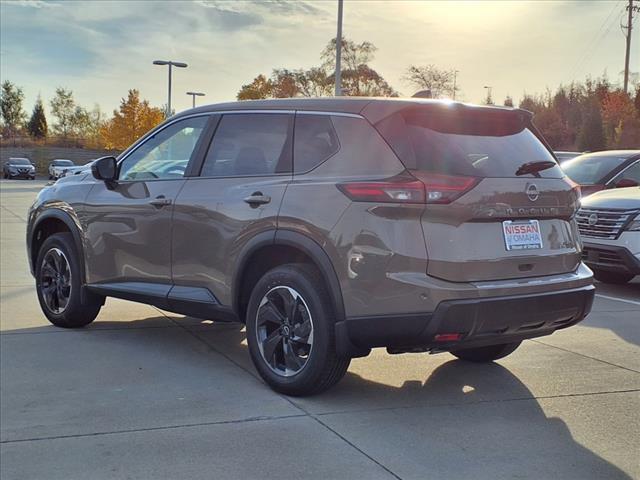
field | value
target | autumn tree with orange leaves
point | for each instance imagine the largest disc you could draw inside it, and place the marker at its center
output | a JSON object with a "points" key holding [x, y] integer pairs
{"points": [[134, 118]]}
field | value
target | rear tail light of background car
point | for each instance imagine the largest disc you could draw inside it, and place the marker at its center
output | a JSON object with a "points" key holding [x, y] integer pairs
{"points": [[432, 188]]}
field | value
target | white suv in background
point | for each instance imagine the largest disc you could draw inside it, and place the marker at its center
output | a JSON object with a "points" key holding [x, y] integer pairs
{"points": [[609, 223], [58, 166]]}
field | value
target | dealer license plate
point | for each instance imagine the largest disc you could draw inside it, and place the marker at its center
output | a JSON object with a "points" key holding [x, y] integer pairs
{"points": [[522, 234]]}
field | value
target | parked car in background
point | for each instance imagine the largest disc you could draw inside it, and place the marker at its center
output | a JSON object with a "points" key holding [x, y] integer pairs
{"points": [[601, 170], [58, 167], [19, 168], [78, 169], [405, 224], [564, 156], [609, 223]]}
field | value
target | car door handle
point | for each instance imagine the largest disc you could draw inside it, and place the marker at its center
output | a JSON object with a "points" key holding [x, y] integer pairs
{"points": [[160, 202], [257, 198]]}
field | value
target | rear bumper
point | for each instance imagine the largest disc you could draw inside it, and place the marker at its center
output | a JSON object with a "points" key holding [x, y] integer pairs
{"points": [[480, 322], [610, 258]]}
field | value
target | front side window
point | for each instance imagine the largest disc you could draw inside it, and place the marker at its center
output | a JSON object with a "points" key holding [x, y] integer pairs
{"points": [[315, 141], [630, 176], [166, 154], [250, 144]]}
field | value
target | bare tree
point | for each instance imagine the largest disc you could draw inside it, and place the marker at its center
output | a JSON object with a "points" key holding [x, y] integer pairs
{"points": [[440, 82]]}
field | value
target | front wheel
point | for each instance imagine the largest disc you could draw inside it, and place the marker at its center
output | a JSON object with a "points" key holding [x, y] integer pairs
{"points": [[486, 354], [59, 283], [290, 331], [612, 277]]}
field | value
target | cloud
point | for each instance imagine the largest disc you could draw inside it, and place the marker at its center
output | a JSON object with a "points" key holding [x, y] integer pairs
{"points": [[278, 7], [32, 3]]}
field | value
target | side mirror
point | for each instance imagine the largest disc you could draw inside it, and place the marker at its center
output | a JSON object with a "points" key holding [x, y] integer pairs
{"points": [[626, 182], [105, 168]]}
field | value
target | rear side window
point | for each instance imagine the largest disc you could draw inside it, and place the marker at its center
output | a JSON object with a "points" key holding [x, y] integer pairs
{"points": [[315, 141], [250, 144], [478, 144]]}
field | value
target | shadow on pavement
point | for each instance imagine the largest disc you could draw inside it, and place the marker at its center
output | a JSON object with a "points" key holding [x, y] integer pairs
{"points": [[475, 416]]}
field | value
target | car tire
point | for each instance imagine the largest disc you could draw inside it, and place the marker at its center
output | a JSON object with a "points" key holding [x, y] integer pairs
{"points": [[290, 321], [59, 284], [612, 277], [485, 354]]}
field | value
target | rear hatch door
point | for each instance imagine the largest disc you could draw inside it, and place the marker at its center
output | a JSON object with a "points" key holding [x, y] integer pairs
{"points": [[498, 205]]}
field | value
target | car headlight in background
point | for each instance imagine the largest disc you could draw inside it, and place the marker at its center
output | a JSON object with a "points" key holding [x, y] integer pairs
{"points": [[634, 226]]}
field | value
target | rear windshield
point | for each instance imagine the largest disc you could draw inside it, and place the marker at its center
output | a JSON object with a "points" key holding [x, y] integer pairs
{"points": [[478, 144], [63, 163], [591, 169], [19, 161]]}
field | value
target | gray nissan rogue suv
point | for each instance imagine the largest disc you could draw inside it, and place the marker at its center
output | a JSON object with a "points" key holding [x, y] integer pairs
{"points": [[328, 226]]}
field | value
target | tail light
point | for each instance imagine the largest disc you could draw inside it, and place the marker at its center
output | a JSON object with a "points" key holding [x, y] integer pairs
{"points": [[428, 188], [575, 187], [394, 190], [443, 189]]}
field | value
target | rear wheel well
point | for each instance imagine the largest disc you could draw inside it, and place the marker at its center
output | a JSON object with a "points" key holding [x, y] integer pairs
{"points": [[45, 229], [259, 263]]}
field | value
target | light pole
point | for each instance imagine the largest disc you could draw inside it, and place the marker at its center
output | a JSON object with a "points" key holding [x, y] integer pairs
{"points": [[171, 64], [338, 90], [194, 95], [489, 97]]}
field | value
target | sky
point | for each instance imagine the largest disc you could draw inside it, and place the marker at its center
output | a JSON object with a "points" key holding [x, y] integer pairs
{"points": [[100, 49]]}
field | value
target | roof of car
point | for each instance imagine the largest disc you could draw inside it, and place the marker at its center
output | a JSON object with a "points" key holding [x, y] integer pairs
{"points": [[613, 153], [366, 106]]}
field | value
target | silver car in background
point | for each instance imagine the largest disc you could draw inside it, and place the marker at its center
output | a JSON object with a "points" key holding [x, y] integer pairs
{"points": [[609, 223]]}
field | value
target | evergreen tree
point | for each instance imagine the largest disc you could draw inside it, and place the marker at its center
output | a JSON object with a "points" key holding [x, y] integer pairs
{"points": [[591, 137], [37, 125]]}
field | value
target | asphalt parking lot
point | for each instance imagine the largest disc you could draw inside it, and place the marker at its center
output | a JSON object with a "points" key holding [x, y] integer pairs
{"points": [[143, 393]]}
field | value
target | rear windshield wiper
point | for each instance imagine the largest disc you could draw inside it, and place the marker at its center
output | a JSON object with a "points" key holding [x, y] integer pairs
{"points": [[535, 167]]}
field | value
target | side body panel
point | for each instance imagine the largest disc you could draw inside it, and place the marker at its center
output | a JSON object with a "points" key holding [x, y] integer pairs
{"points": [[127, 238], [212, 223]]}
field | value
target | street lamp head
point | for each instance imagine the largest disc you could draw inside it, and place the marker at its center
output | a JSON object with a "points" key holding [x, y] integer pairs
{"points": [[169, 62], [197, 94]]}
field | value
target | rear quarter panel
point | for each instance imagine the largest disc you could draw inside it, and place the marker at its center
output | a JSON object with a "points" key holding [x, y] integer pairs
{"points": [[367, 243]]}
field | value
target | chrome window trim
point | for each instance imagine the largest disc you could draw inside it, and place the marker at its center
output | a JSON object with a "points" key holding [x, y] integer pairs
{"points": [[123, 156]]}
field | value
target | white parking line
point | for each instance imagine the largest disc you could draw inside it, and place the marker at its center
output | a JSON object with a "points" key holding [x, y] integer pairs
{"points": [[618, 299]]}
